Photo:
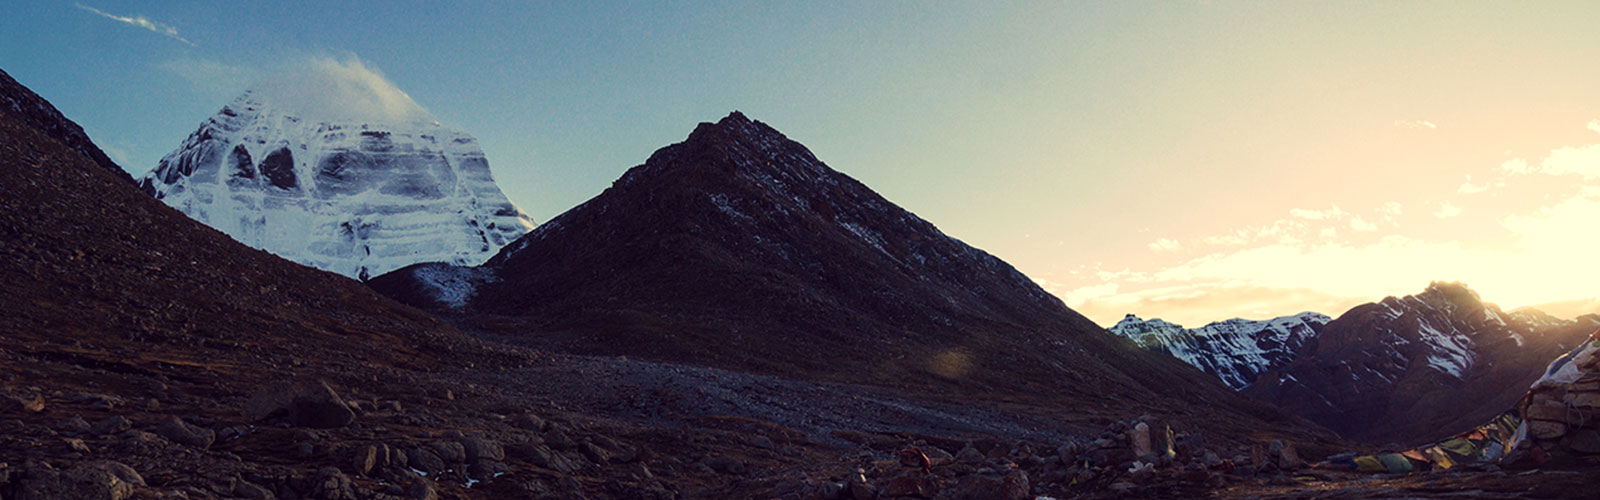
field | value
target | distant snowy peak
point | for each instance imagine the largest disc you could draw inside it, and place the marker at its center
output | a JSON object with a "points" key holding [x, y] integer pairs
{"points": [[1236, 350], [355, 198], [1398, 359]]}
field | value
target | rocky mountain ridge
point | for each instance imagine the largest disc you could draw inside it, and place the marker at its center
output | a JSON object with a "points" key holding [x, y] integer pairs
{"points": [[1418, 367], [1236, 350]]}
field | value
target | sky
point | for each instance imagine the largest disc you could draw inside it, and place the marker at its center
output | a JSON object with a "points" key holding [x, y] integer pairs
{"points": [[1193, 161]]}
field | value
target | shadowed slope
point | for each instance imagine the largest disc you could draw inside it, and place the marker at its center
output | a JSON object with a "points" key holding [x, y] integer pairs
{"points": [[738, 249]]}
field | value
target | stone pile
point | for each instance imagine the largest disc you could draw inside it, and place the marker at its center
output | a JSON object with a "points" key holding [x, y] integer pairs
{"points": [[1564, 417]]}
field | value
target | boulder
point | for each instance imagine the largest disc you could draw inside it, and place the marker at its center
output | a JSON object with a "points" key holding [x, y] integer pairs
{"points": [[449, 451], [267, 402], [84, 482], [331, 484], [317, 406], [911, 486], [426, 461], [1140, 437], [422, 489], [73, 426], [1014, 486], [529, 421], [479, 449], [177, 431], [111, 425]]}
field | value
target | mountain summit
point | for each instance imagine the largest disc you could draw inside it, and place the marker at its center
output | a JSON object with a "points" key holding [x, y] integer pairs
{"points": [[737, 248], [358, 195], [21, 103], [1424, 366]]}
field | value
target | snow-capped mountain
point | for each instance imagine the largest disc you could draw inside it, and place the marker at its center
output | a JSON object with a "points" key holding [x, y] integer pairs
{"points": [[1236, 351], [355, 195], [1418, 367]]}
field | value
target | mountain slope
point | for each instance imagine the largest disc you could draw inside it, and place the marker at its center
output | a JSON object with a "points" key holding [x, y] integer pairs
{"points": [[1419, 367], [738, 249], [93, 271], [356, 197], [24, 105], [1235, 350]]}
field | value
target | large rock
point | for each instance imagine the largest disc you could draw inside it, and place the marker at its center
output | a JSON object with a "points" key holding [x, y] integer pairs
{"points": [[317, 406], [479, 449], [267, 402], [178, 431], [84, 482]]}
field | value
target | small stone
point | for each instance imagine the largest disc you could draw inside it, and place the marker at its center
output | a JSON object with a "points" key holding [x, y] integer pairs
{"points": [[725, 465], [593, 453], [365, 458], [121, 471], [422, 489], [252, 491], [558, 439], [77, 445], [1585, 441], [1014, 486], [862, 491], [1544, 429], [34, 405], [450, 452], [73, 426], [969, 455], [111, 425], [426, 461], [175, 430], [528, 421], [331, 484], [910, 486], [763, 442]]}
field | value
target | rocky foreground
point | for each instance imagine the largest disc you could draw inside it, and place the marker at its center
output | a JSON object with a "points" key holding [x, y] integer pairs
{"points": [[418, 436]]}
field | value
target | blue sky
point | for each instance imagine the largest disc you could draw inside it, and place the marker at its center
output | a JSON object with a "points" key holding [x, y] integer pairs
{"points": [[1193, 160]]}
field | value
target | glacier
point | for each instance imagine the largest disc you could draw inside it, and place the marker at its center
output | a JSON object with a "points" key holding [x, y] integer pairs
{"points": [[357, 195]]}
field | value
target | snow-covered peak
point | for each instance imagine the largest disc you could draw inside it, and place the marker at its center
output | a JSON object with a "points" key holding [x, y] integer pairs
{"points": [[339, 190], [1235, 350], [1132, 325]]}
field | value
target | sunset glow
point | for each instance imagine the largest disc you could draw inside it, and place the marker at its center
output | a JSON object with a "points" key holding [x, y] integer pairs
{"points": [[1193, 160]]}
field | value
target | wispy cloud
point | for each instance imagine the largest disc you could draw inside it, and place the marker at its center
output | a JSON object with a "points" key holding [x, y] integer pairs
{"points": [[140, 21], [1415, 124], [1360, 224], [1468, 187], [216, 80], [1166, 245], [1447, 210], [1309, 214]]}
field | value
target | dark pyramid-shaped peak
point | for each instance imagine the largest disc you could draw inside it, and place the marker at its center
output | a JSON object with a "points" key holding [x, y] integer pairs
{"points": [[20, 102], [737, 248]]}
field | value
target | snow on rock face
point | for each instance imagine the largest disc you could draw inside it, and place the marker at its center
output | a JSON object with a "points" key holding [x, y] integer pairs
{"points": [[1236, 351], [358, 198], [1420, 364]]}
